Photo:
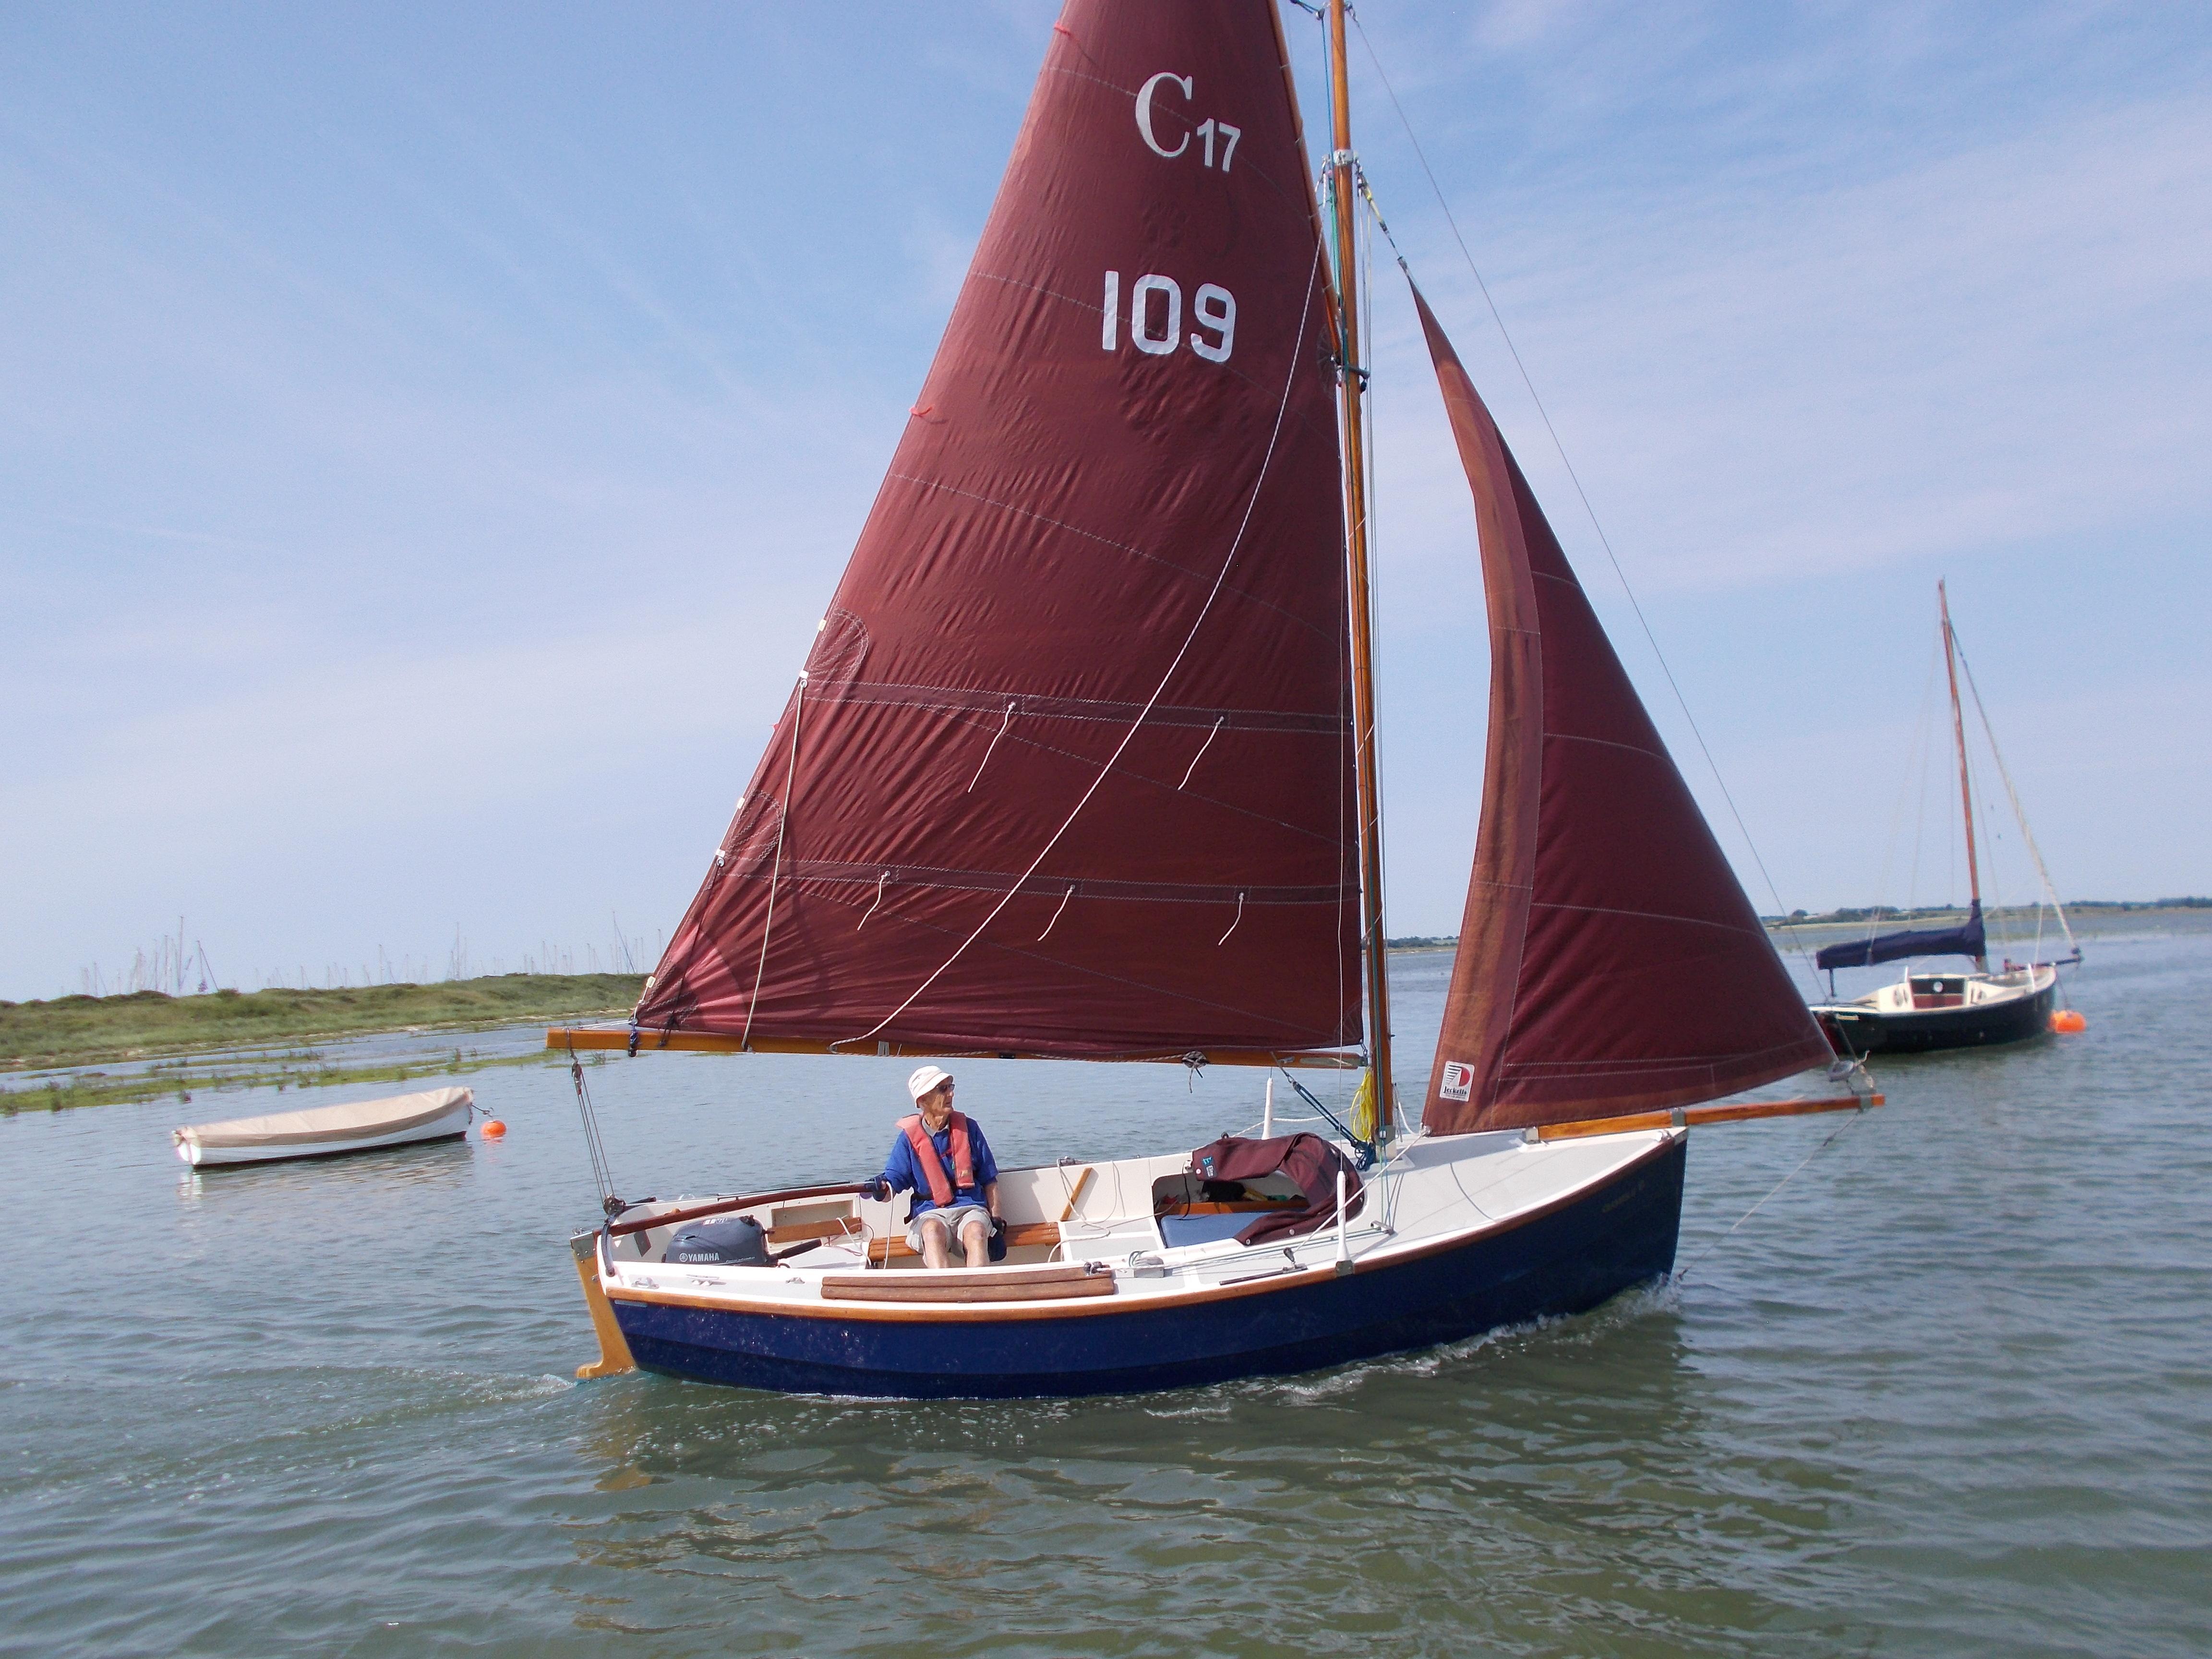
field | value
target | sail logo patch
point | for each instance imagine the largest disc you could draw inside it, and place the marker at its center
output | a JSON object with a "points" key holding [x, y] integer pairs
{"points": [[1459, 1080]]}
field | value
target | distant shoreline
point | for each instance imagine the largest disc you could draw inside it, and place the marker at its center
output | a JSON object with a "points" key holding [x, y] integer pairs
{"points": [[75, 1031], [1850, 918], [82, 1030], [1854, 918]]}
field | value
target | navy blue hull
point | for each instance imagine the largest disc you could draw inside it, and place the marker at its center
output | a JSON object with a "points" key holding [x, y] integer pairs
{"points": [[1565, 1260], [1864, 1031]]}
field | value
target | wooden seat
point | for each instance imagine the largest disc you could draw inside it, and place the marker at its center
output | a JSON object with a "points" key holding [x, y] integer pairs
{"points": [[976, 1284]]}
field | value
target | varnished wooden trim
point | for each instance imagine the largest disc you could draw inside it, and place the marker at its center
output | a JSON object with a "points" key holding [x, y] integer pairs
{"points": [[1019, 1235], [1016, 1285], [1690, 1117], [1082, 1186]]}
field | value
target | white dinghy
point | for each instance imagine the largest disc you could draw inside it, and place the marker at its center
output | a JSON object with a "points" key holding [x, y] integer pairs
{"points": [[360, 1126]]}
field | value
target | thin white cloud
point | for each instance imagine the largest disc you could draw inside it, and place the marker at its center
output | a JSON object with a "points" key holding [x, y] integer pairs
{"points": [[2004, 343]]}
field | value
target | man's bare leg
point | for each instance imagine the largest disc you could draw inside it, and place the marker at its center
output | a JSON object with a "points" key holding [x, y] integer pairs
{"points": [[976, 1239], [932, 1245]]}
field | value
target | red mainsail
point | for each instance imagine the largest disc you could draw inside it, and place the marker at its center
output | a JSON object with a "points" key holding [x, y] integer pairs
{"points": [[1608, 961], [1068, 770]]}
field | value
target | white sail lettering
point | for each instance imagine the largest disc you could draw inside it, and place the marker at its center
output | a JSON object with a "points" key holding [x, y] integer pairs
{"points": [[1144, 114], [1111, 309], [1232, 134], [1139, 304], [1214, 306]]}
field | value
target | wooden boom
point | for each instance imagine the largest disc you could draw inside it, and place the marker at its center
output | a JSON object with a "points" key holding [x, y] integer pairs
{"points": [[707, 1043], [1692, 1116]]}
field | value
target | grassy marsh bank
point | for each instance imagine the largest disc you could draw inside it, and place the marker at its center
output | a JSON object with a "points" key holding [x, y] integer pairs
{"points": [[80, 1030]]}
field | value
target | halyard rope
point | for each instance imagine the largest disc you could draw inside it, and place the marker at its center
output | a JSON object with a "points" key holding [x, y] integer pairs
{"points": [[593, 1146]]}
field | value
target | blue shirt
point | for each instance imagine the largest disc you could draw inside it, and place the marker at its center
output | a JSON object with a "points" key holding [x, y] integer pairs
{"points": [[899, 1169]]}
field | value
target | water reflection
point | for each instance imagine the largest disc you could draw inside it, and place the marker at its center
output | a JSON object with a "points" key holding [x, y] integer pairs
{"points": [[1943, 1393]]}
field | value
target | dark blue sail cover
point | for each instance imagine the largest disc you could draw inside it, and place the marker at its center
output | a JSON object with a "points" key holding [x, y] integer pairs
{"points": [[1964, 940]]}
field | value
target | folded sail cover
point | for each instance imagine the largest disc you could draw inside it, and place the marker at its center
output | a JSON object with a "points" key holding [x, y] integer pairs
{"points": [[1967, 940], [1608, 962], [1069, 770]]}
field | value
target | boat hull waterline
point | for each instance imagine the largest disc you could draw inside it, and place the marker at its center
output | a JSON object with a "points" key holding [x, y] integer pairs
{"points": [[1568, 1257]]}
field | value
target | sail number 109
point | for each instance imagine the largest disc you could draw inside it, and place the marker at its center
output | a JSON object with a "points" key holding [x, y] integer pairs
{"points": [[1156, 317]]}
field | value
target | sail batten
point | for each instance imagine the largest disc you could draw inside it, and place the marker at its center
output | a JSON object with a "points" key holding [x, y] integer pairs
{"points": [[1609, 963], [1076, 723]]}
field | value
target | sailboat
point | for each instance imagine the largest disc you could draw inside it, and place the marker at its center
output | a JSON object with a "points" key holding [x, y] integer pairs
{"points": [[1081, 767], [1925, 1011]]}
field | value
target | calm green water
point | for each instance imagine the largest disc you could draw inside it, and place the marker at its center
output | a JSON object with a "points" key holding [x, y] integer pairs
{"points": [[1949, 1392]]}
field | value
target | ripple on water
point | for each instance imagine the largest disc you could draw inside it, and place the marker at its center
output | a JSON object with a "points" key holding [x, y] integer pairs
{"points": [[1945, 1392]]}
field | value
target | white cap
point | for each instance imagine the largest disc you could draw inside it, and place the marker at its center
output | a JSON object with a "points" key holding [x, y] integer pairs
{"points": [[925, 1080]]}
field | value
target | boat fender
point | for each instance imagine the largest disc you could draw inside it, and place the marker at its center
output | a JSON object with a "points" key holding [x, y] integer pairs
{"points": [[736, 1242]]}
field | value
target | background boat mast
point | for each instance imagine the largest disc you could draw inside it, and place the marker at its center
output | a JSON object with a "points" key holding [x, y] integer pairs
{"points": [[1352, 377], [1959, 731]]}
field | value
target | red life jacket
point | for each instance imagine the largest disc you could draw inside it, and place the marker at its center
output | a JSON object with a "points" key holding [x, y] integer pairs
{"points": [[932, 1163]]}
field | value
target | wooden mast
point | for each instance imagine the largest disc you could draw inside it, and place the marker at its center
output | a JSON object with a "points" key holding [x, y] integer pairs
{"points": [[1352, 377], [1959, 731]]}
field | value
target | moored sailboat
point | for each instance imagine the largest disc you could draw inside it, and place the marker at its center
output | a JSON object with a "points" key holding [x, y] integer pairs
{"points": [[1924, 1011], [1082, 766]]}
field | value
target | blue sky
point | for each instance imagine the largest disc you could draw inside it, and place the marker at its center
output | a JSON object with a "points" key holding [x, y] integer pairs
{"points": [[428, 435]]}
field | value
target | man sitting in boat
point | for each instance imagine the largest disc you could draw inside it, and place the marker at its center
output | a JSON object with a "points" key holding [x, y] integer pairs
{"points": [[942, 1158]]}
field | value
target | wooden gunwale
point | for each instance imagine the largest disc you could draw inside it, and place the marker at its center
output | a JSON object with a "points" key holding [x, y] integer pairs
{"points": [[1266, 1284]]}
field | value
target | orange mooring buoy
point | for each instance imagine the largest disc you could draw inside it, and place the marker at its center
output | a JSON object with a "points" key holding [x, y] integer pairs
{"points": [[493, 1128], [2069, 1019]]}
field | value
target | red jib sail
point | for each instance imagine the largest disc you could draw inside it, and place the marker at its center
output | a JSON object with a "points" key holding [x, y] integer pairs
{"points": [[1068, 770], [1608, 961]]}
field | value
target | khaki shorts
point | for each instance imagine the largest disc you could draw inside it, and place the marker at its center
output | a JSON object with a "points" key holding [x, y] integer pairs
{"points": [[953, 1218]]}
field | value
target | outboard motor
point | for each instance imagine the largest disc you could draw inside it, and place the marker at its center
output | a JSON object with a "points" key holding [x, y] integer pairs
{"points": [[736, 1241]]}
